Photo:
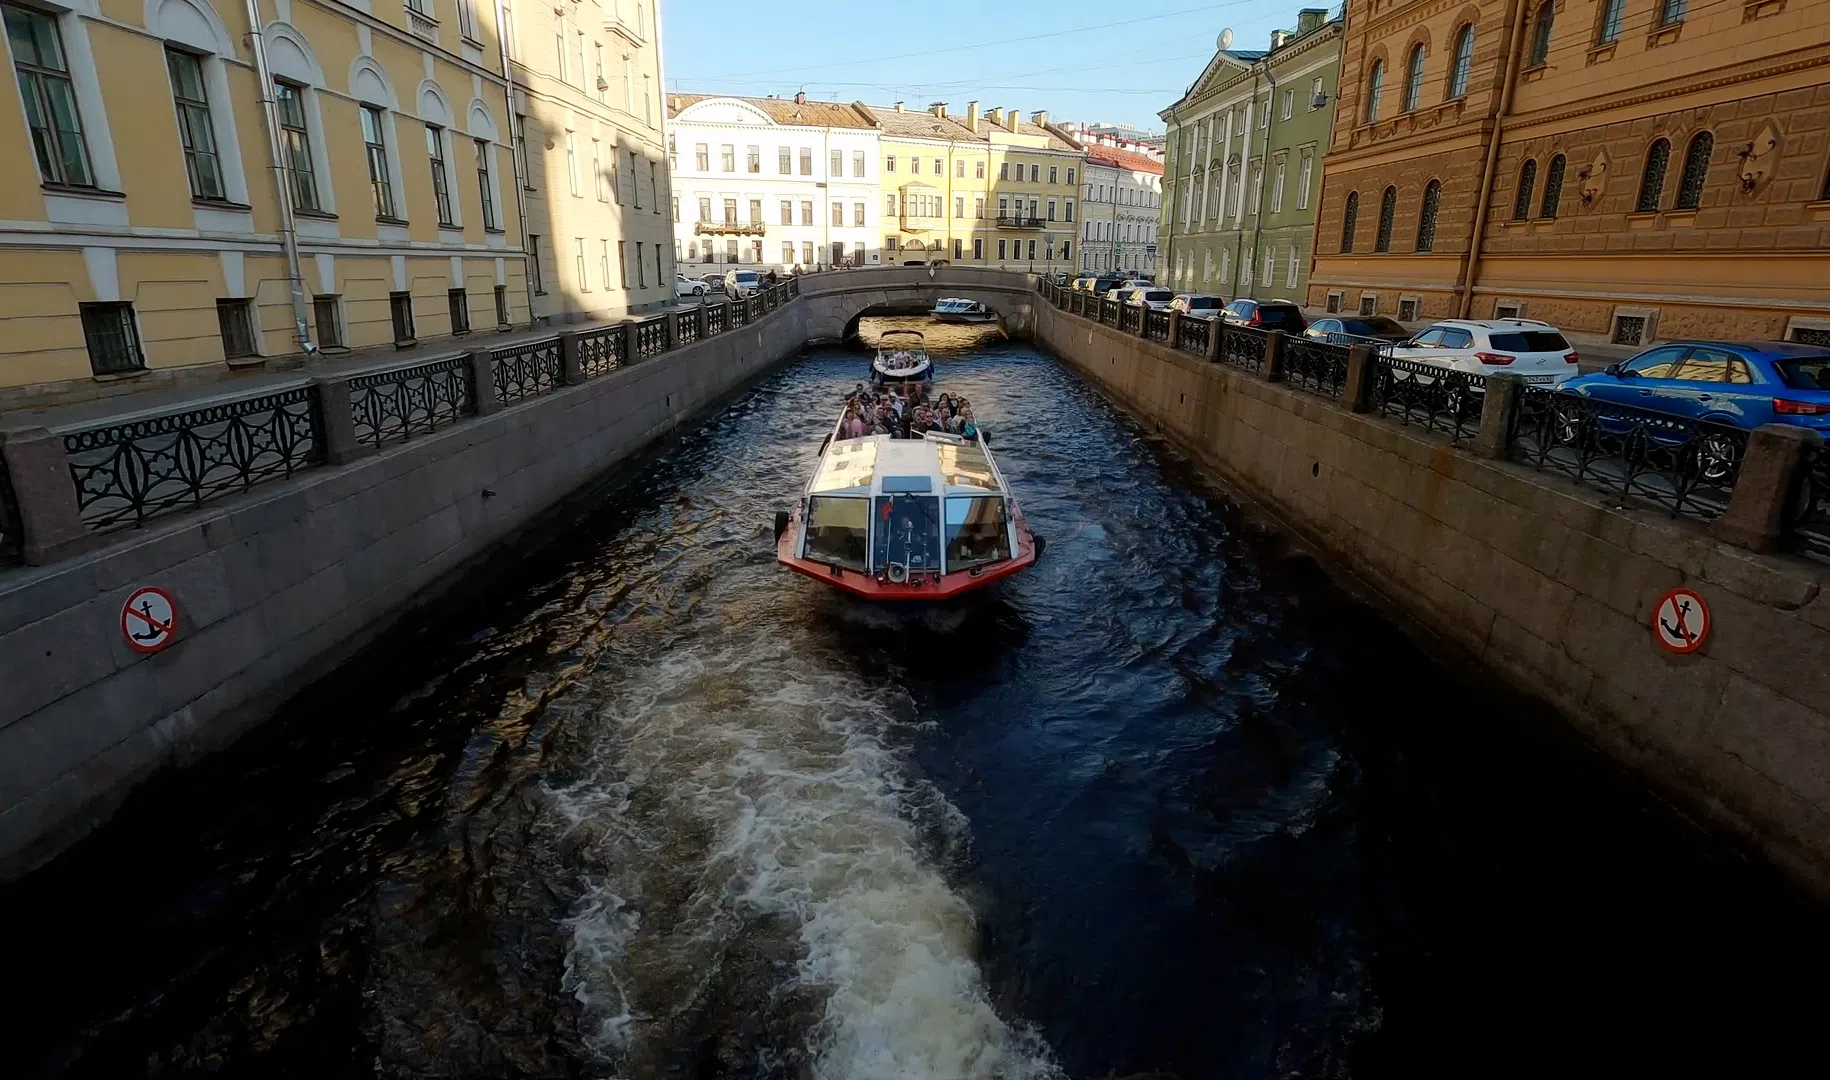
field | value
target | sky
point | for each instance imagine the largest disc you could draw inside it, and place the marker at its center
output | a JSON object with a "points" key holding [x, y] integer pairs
{"points": [[1078, 59]]}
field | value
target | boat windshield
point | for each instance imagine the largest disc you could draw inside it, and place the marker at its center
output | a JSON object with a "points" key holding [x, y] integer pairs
{"points": [[908, 532], [976, 532], [837, 530]]}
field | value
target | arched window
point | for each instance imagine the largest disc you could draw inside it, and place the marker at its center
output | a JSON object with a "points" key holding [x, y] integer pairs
{"points": [[1388, 209], [1375, 83], [1652, 181], [1521, 203], [1426, 219], [1349, 219], [1462, 59], [1696, 171], [1540, 33], [1553, 188], [1607, 23], [1413, 78]]}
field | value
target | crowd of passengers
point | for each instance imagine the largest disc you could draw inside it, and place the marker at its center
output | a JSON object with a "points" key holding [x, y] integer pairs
{"points": [[904, 412]]}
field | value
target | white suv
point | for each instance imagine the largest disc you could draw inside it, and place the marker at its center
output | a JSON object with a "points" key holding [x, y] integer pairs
{"points": [[1151, 297], [1535, 350], [741, 283]]}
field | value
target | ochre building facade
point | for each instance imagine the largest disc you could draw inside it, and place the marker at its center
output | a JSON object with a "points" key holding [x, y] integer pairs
{"points": [[1630, 170]]}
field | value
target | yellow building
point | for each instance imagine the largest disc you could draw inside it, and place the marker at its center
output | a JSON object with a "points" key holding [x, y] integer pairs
{"points": [[166, 221], [983, 189], [587, 81]]}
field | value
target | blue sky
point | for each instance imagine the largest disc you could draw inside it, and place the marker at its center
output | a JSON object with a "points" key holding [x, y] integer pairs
{"points": [[1081, 60]]}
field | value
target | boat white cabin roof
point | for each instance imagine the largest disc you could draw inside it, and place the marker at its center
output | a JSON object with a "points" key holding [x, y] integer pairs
{"points": [[936, 463], [957, 302]]}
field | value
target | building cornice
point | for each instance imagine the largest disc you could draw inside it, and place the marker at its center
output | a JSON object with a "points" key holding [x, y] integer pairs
{"points": [[1746, 71]]}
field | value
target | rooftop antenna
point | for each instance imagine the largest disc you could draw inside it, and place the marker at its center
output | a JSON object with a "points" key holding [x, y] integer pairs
{"points": [[1226, 39]]}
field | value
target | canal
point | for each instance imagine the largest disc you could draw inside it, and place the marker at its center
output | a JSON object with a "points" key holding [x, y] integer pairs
{"points": [[637, 803]]}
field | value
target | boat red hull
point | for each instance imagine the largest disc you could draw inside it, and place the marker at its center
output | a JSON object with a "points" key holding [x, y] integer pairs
{"points": [[927, 587]]}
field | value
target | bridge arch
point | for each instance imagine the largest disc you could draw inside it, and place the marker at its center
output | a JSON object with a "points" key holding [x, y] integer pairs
{"points": [[837, 300]]}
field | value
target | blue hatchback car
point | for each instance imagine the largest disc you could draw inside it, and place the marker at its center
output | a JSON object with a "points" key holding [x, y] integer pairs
{"points": [[1743, 383]]}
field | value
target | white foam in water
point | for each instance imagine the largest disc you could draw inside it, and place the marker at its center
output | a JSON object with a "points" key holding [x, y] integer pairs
{"points": [[750, 783]]}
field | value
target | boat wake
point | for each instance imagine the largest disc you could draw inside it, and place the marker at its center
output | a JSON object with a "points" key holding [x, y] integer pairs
{"points": [[765, 883]]}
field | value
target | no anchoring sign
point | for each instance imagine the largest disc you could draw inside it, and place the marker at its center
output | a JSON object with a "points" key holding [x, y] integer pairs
{"points": [[1681, 621], [149, 619]]}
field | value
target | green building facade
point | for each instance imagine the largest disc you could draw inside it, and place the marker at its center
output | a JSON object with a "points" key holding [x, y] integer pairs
{"points": [[1243, 171]]}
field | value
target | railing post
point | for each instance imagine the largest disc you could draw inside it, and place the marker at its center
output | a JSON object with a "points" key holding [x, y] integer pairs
{"points": [[727, 316], [1362, 375], [1498, 408], [1143, 321], [1216, 328], [1272, 370], [1175, 329], [571, 364], [483, 382], [50, 518], [337, 421], [672, 323], [705, 321], [1756, 514]]}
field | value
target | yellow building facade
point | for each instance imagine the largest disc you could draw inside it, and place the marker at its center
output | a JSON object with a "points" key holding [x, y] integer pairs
{"points": [[165, 221]]}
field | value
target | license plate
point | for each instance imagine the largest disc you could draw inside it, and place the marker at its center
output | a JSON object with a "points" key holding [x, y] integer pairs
{"points": [[1540, 378]]}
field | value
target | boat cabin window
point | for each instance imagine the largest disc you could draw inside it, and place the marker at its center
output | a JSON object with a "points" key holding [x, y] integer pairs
{"points": [[908, 532], [838, 530], [976, 532]]}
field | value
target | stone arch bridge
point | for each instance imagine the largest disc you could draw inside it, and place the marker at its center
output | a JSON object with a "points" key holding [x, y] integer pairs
{"points": [[834, 301]]}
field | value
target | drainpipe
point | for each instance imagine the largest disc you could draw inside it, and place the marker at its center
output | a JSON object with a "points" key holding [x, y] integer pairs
{"points": [[517, 151], [1270, 129], [289, 239], [1169, 242], [1464, 286]]}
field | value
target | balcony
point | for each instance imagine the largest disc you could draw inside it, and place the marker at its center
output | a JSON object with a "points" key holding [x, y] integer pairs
{"points": [[421, 22], [729, 228], [623, 27], [1019, 221], [917, 222]]}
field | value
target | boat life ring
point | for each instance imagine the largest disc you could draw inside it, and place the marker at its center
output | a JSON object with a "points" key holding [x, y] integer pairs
{"points": [[898, 573]]}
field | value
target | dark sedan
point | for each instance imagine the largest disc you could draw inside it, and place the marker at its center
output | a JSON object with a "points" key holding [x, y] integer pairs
{"points": [[1345, 330]]}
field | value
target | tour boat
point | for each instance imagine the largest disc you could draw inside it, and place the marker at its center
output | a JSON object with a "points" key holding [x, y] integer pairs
{"points": [[902, 356], [923, 518], [954, 309]]}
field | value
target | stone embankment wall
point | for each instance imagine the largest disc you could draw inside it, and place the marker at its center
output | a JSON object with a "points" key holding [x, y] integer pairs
{"points": [[276, 587], [1545, 583]]}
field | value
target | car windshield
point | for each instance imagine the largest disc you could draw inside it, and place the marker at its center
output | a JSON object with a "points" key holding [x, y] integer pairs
{"points": [[1372, 327], [1530, 341], [1241, 307], [1806, 372]]}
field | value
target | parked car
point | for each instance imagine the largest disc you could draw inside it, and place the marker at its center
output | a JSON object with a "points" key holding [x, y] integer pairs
{"points": [[1084, 283], [1199, 305], [685, 286], [1266, 315], [1134, 283], [1346, 329], [1151, 297], [1535, 350], [1122, 294], [1743, 383], [1105, 283], [715, 280], [742, 283]]}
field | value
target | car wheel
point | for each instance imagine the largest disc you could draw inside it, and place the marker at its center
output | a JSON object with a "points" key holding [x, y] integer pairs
{"points": [[1716, 458], [700, 291]]}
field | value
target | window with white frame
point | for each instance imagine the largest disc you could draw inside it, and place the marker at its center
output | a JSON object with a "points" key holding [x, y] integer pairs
{"points": [[572, 161], [1302, 181], [598, 179], [1289, 105], [441, 179], [486, 185], [374, 138], [1277, 187], [49, 97], [196, 131], [295, 146]]}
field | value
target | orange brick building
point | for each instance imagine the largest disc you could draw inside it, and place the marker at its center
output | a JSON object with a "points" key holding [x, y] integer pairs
{"points": [[1627, 169]]}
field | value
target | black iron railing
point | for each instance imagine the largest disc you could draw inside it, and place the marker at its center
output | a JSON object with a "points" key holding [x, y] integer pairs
{"points": [[127, 472], [739, 314], [1192, 335], [1242, 346], [527, 370], [1683, 466], [1807, 519], [390, 406], [1380, 345], [12, 533], [714, 319], [1428, 396], [650, 338], [1019, 221], [687, 327], [1156, 325], [1129, 316], [1315, 366], [601, 351]]}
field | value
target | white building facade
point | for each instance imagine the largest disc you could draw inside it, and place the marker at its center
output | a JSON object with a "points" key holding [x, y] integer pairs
{"points": [[1122, 200], [772, 183]]}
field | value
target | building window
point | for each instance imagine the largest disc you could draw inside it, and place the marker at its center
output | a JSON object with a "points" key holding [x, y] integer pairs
{"points": [[702, 158], [836, 163], [533, 264], [784, 161], [806, 211], [1001, 249], [622, 262], [1333, 305], [889, 244], [787, 252], [1003, 170], [1407, 309], [1054, 174], [236, 320], [1652, 180], [1277, 188], [889, 163], [1629, 330], [603, 83], [485, 188], [114, 342], [194, 127], [377, 151], [1349, 218], [1607, 24], [787, 212], [1696, 171], [1290, 275], [857, 214], [1463, 59], [1369, 304], [603, 261], [1375, 84], [1302, 181], [730, 211], [676, 211], [1540, 34], [571, 161], [978, 249], [600, 182], [1553, 188], [1067, 210], [1521, 202], [1051, 210], [727, 157], [756, 217], [1289, 105], [1671, 12], [400, 306], [806, 253], [330, 328], [753, 158], [49, 98], [1413, 78], [295, 146], [806, 161], [502, 312], [978, 170], [441, 182], [1388, 209], [838, 214], [458, 301], [1426, 218], [940, 167], [578, 265]]}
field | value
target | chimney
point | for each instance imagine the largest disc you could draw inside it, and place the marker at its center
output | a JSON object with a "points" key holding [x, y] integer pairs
{"points": [[1278, 37], [1012, 120], [994, 117], [972, 117], [899, 106], [1310, 19], [800, 97]]}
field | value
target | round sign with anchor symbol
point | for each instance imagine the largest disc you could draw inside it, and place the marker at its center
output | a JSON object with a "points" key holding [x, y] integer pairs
{"points": [[1680, 622], [149, 619]]}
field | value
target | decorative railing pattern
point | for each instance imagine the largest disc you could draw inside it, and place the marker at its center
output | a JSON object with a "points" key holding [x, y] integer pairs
{"points": [[390, 406], [687, 327], [650, 338], [1808, 517], [1684, 466], [1128, 317], [714, 318], [1242, 346], [739, 314], [129, 472], [1192, 335], [602, 351], [1429, 396], [12, 534], [1156, 325], [523, 371], [1315, 366]]}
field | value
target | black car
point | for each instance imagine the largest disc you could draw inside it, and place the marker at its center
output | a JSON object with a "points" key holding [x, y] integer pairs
{"points": [[1344, 329], [1266, 315]]}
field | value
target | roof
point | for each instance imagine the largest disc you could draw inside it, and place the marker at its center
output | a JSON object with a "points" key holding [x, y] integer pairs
{"points": [[784, 111], [916, 124], [1123, 159]]}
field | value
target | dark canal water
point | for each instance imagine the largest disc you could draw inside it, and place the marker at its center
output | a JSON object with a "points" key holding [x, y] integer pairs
{"points": [[639, 804]]}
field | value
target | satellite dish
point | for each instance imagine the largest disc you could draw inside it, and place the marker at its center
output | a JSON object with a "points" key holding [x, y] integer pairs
{"points": [[1226, 39]]}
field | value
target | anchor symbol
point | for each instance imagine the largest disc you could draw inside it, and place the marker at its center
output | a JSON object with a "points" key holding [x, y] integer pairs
{"points": [[1682, 629], [157, 628]]}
